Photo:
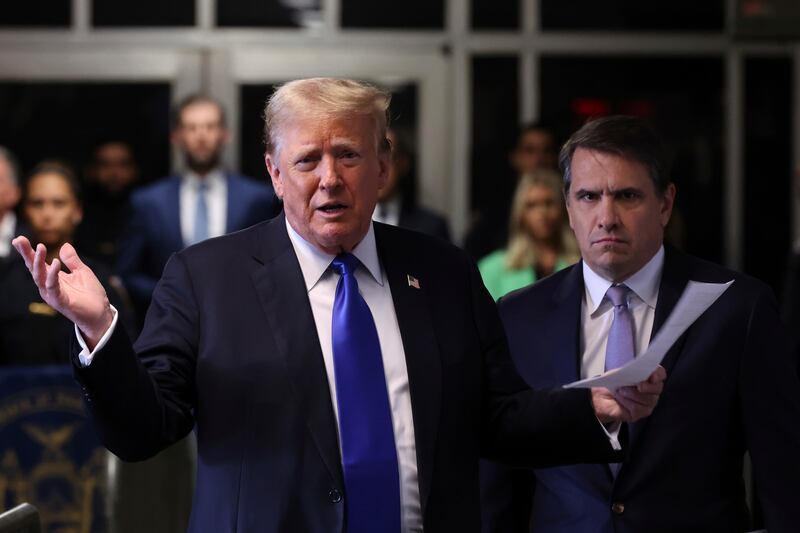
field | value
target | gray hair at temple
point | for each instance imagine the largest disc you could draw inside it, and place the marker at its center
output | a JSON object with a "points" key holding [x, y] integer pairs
{"points": [[325, 98], [13, 164], [625, 136]]}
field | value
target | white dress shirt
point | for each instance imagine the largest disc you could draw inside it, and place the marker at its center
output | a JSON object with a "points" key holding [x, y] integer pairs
{"points": [[321, 283], [597, 316], [8, 224], [597, 312], [216, 200]]}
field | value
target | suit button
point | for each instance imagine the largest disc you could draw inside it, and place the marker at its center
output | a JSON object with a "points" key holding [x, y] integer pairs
{"points": [[335, 496], [618, 507]]}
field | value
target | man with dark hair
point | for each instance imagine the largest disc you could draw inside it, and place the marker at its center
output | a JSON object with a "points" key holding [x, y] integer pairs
{"points": [[110, 177], [535, 149], [397, 200], [622, 136], [9, 198], [202, 202], [342, 374], [733, 384]]}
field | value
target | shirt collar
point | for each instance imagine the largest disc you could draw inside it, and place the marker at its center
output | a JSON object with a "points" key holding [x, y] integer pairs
{"points": [[644, 283], [314, 262], [8, 224], [213, 178]]}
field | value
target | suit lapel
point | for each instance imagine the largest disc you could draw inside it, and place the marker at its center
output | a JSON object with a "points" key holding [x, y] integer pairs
{"points": [[420, 346], [673, 281], [569, 301], [235, 206], [674, 278], [282, 292], [566, 325], [560, 361]]}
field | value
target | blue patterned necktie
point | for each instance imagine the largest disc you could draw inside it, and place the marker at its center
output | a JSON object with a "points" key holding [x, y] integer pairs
{"points": [[369, 456], [201, 214], [620, 347]]}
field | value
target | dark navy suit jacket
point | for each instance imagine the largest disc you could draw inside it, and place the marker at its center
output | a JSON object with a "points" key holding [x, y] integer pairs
{"points": [[230, 344], [731, 386], [425, 221], [154, 231]]}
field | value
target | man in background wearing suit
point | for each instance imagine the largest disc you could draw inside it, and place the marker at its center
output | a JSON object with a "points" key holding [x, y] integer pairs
{"points": [[732, 383], [343, 375], [397, 200], [10, 194], [181, 210], [109, 179]]}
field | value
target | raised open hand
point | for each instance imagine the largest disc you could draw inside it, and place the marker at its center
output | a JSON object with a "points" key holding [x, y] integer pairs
{"points": [[78, 295]]}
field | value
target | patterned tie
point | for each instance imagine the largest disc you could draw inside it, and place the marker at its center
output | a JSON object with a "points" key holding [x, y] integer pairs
{"points": [[369, 456], [201, 214], [620, 345]]}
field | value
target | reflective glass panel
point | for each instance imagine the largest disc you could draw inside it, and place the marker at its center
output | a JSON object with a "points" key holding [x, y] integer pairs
{"points": [[405, 15], [633, 15], [689, 117], [143, 13], [269, 13], [36, 13]]}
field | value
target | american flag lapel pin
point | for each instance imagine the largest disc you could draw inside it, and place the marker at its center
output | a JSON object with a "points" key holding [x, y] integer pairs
{"points": [[412, 281]]}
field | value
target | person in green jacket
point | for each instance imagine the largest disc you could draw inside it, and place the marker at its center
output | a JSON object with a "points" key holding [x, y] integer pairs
{"points": [[540, 239]]}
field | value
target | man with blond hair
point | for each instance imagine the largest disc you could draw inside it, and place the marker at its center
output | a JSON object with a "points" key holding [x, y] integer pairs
{"points": [[338, 377]]}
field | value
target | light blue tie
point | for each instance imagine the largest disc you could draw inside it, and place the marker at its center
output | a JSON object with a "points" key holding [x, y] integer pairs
{"points": [[620, 347], [201, 214], [369, 455]]}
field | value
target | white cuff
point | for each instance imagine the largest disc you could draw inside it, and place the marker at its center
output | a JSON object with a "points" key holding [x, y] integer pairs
{"points": [[85, 356], [612, 432]]}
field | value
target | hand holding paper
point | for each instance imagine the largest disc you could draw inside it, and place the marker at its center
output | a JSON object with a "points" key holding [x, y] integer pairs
{"points": [[695, 300], [629, 404]]}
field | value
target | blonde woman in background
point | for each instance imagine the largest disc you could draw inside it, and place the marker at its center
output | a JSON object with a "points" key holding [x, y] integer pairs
{"points": [[540, 239]]}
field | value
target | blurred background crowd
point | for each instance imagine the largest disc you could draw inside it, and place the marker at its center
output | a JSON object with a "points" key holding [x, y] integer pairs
{"points": [[133, 130]]}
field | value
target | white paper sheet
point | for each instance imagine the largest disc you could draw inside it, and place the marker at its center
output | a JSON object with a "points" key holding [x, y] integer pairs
{"points": [[696, 298]]}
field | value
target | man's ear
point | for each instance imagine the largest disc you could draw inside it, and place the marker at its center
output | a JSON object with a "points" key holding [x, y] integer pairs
{"points": [[667, 203], [567, 207], [274, 174]]}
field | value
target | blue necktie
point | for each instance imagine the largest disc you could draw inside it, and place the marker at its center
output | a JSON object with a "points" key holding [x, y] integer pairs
{"points": [[620, 347], [201, 214], [369, 456]]}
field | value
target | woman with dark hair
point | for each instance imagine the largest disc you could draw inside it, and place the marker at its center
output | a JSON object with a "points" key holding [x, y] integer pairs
{"points": [[32, 332]]}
